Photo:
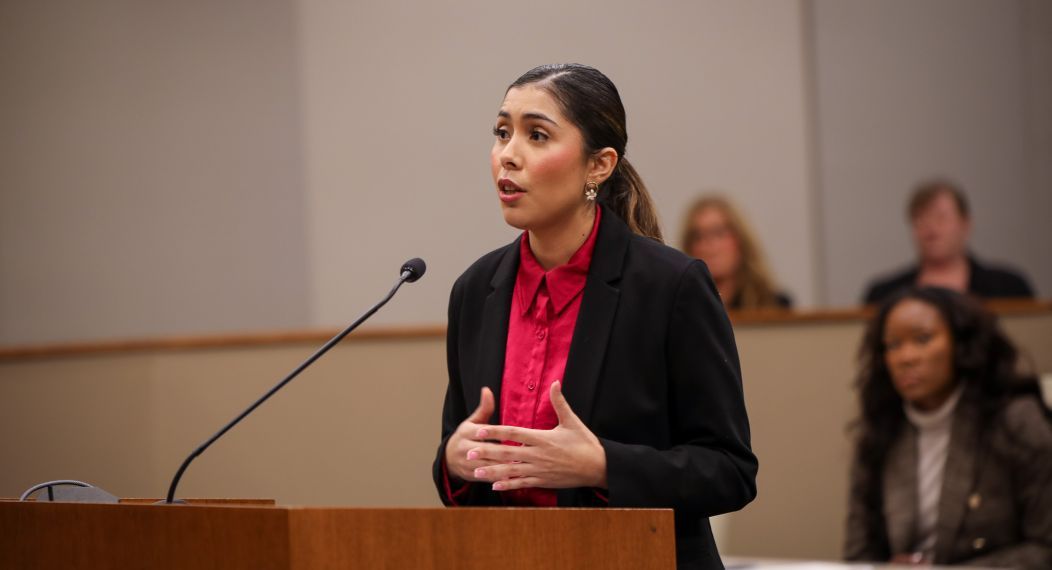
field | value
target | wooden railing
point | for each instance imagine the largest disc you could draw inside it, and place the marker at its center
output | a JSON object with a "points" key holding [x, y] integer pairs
{"points": [[314, 336]]}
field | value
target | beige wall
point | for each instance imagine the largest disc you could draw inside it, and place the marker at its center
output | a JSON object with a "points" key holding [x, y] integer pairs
{"points": [[199, 167], [150, 169], [399, 103], [357, 429], [361, 426], [1037, 57], [910, 90], [203, 167]]}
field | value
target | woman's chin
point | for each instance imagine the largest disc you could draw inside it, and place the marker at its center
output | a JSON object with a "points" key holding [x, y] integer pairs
{"points": [[514, 217]]}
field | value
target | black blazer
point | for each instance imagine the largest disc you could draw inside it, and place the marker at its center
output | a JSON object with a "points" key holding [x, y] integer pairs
{"points": [[652, 370], [984, 281]]}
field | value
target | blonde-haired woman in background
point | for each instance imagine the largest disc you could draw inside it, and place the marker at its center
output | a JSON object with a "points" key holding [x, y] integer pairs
{"points": [[715, 232]]}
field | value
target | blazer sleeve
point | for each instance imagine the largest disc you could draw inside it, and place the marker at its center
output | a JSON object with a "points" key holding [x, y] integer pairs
{"points": [[1030, 448], [710, 468], [865, 538], [455, 411]]}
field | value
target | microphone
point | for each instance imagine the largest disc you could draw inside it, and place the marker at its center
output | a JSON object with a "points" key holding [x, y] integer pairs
{"points": [[411, 271]]}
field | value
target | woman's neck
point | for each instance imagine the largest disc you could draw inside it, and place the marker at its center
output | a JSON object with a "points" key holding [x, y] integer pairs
{"points": [[935, 409], [554, 245]]}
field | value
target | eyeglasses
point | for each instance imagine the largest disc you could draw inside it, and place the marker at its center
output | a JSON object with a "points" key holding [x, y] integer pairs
{"points": [[709, 234]]}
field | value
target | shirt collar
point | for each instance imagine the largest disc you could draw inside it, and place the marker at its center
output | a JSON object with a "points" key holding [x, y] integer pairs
{"points": [[939, 417], [564, 282]]}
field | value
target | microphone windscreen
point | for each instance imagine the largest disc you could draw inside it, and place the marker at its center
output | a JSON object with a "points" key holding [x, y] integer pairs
{"points": [[415, 267]]}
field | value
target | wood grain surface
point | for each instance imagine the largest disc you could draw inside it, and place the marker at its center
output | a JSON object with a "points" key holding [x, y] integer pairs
{"points": [[317, 336], [70, 535], [87, 536]]}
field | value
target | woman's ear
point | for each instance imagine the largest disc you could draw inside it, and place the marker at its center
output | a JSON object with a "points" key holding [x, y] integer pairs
{"points": [[602, 164]]}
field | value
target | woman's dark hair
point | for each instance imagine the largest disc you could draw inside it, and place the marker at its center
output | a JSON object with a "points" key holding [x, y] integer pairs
{"points": [[984, 361], [591, 101]]}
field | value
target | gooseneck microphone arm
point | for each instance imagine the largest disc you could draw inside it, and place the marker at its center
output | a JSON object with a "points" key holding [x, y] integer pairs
{"points": [[411, 271]]}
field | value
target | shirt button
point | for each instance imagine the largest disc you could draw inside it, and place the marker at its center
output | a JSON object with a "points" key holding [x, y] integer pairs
{"points": [[540, 334], [531, 386], [979, 543], [974, 500]]}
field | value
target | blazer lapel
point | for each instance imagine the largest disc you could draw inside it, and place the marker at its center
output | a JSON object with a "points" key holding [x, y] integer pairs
{"points": [[958, 477], [494, 330], [900, 491], [595, 319]]}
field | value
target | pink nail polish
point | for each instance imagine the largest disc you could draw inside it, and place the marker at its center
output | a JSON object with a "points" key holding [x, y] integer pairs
{"points": [[480, 473], [483, 434], [472, 455], [498, 486]]}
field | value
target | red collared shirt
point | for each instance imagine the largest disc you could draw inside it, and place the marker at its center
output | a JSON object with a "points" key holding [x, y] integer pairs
{"points": [[544, 310]]}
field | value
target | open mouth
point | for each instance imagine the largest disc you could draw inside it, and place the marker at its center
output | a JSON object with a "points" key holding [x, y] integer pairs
{"points": [[508, 187]]}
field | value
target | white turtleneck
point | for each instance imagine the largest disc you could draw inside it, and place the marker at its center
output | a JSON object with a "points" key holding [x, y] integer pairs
{"points": [[933, 443]]}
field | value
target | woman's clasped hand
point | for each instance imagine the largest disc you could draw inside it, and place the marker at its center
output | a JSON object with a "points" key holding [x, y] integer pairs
{"points": [[512, 457]]}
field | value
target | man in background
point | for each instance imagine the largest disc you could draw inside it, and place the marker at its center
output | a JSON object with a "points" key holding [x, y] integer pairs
{"points": [[941, 221]]}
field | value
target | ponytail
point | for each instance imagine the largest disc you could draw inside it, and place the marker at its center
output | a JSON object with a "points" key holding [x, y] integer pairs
{"points": [[627, 196]]}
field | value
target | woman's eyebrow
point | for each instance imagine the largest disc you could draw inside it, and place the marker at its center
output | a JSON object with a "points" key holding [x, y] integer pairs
{"points": [[530, 115]]}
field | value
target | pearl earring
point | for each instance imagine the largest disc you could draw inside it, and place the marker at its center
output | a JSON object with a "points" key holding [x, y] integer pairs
{"points": [[591, 190]]}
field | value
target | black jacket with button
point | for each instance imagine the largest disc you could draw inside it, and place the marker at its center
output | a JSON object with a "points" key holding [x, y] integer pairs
{"points": [[996, 504], [652, 370]]}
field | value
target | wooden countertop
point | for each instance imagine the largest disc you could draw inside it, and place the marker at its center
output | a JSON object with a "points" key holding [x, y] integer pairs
{"points": [[768, 317]]}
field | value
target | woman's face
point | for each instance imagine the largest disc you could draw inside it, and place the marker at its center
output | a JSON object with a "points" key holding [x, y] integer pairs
{"points": [[713, 242], [918, 349], [538, 161]]}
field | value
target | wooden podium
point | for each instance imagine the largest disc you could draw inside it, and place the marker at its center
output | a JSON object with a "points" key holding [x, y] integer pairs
{"points": [[226, 536]]}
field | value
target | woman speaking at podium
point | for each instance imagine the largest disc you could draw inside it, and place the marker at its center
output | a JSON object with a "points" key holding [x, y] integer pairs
{"points": [[589, 364]]}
